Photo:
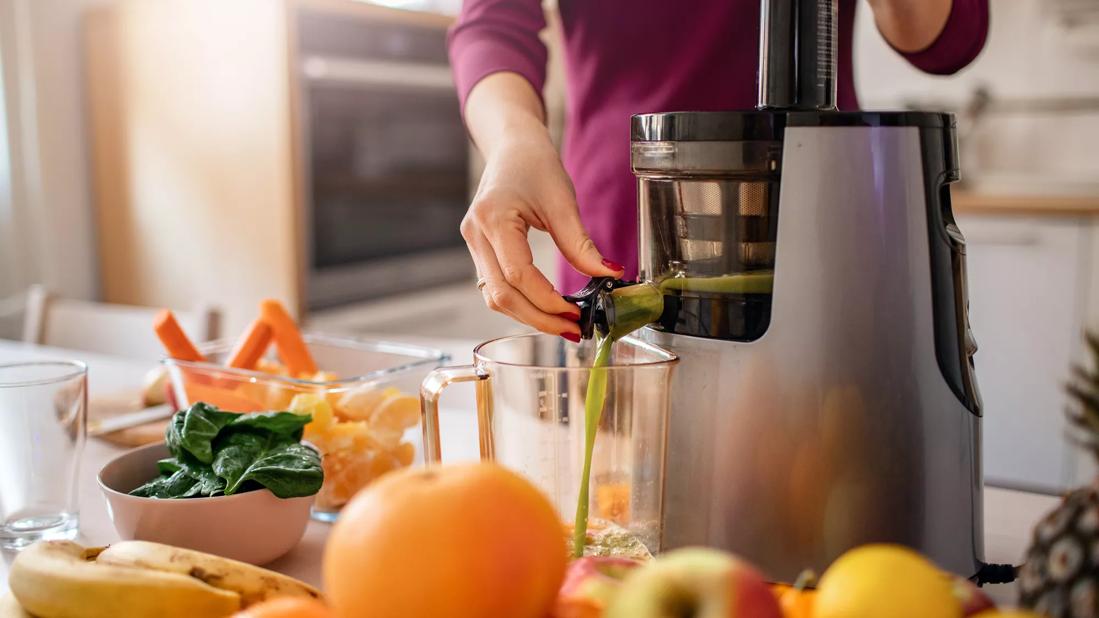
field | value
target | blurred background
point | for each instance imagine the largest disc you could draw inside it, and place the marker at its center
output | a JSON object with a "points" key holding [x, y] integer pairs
{"points": [[204, 154]]}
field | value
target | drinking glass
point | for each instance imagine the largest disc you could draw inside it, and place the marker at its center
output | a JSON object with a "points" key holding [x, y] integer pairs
{"points": [[43, 413], [530, 415]]}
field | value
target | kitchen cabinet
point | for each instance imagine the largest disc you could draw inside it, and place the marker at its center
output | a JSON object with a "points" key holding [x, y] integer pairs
{"points": [[198, 146], [1030, 289]]}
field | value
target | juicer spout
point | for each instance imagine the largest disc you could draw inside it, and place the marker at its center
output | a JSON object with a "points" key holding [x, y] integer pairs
{"points": [[613, 307], [593, 300]]}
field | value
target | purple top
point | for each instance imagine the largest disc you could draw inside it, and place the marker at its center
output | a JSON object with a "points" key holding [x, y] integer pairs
{"points": [[625, 57]]}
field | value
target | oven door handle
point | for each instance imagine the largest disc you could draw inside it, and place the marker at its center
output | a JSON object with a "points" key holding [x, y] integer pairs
{"points": [[377, 73]]}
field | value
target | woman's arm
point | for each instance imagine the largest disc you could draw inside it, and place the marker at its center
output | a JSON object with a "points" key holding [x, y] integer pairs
{"points": [[499, 66], [936, 36]]}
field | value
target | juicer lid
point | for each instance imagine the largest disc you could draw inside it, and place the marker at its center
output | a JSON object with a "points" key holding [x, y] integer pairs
{"points": [[767, 125]]}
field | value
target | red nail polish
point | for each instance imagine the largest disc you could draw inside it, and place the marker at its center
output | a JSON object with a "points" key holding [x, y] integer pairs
{"points": [[573, 337], [568, 315], [613, 265]]}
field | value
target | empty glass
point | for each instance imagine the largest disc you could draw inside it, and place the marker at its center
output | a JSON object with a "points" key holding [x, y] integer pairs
{"points": [[43, 408], [530, 403]]}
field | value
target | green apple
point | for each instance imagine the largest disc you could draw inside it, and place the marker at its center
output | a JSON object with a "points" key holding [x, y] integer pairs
{"points": [[695, 582]]}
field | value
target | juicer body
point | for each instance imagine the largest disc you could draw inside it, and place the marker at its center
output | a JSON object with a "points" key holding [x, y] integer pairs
{"points": [[854, 417]]}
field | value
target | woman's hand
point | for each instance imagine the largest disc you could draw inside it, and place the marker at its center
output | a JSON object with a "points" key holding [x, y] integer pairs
{"points": [[523, 186]]}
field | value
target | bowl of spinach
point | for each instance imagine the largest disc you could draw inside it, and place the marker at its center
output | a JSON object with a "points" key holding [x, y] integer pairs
{"points": [[237, 485]]}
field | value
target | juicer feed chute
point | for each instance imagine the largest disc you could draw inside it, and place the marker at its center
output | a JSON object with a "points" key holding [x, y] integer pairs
{"points": [[708, 211]]}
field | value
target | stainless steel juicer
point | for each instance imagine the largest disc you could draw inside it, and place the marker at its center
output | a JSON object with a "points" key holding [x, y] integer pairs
{"points": [[814, 289]]}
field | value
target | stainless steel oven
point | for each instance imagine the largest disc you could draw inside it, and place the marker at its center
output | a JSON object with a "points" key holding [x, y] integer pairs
{"points": [[387, 176]]}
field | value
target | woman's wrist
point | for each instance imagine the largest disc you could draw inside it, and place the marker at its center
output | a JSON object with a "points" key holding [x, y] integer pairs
{"points": [[503, 110], [520, 134], [911, 25]]}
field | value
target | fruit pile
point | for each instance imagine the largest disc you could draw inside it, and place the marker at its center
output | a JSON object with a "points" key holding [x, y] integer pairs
{"points": [[487, 543], [871, 581], [360, 434]]}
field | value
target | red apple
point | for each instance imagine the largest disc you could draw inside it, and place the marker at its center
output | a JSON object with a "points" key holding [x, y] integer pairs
{"points": [[590, 584], [695, 582], [972, 598]]}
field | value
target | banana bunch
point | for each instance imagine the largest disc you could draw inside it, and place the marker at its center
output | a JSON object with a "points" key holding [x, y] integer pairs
{"points": [[61, 579]]}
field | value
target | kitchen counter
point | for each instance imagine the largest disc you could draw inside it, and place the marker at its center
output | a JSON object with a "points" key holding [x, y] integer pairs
{"points": [[1009, 514], [965, 202]]}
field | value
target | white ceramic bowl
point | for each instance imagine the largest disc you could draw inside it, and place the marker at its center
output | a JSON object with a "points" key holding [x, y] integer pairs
{"points": [[254, 526]]}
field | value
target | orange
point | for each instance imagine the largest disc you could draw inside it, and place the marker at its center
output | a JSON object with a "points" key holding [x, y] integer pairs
{"points": [[797, 603], [462, 541], [346, 472], [286, 607]]}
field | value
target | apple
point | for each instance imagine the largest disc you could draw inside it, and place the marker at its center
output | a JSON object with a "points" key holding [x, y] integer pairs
{"points": [[590, 584], [693, 581], [972, 598]]}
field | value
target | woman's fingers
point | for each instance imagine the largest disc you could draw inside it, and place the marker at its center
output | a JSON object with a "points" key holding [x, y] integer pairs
{"points": [[512, 249], [572, 239], [502, 297]]}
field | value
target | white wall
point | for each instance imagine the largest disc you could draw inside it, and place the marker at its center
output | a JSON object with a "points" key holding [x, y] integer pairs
{"points": [[40, 44], [1029, 54]]}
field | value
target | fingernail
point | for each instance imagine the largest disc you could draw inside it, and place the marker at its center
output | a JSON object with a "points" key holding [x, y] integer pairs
{"points": [[613, 265], [573, 337], [568, 315]]}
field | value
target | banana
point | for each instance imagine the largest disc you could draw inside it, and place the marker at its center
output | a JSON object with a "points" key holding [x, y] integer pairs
{"points": [[10, 608], [60, 579], [252, 583]]}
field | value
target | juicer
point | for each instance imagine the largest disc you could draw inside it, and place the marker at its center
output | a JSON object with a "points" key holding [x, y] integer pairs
{"points": [[814, 289]]}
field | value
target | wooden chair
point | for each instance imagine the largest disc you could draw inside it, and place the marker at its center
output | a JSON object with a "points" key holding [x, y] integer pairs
{"points": [[117, 330]]}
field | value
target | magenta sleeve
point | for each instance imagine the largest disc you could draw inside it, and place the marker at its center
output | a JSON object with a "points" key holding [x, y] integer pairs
{"points": [[497, 35], [958, 44]]}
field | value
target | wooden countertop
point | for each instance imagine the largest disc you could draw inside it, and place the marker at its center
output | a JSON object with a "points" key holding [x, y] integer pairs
{"points": [[965, 202]]}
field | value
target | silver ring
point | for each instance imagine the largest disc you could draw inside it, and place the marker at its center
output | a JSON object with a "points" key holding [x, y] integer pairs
{"points": [[481, 283]]}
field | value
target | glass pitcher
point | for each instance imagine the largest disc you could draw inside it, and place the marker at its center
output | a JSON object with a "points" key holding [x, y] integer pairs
{"points": [[530, 415]]}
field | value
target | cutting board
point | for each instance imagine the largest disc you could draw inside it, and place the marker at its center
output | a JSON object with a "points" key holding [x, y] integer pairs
{"points": [[105, 406]]}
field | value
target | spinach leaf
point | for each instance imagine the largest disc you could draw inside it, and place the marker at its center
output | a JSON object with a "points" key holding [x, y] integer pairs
{"points": [[182, 479], [195, 434], [173, 434], [167, 466], [288, 468], [208, 483], [176, 485], [286, 424], [215, 453]]}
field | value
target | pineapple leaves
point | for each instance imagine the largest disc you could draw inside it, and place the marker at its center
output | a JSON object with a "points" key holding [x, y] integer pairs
{"points": [[1083, 389]]}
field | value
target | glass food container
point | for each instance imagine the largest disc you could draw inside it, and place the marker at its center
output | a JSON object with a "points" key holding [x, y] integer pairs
{"points": [[363, 402]]}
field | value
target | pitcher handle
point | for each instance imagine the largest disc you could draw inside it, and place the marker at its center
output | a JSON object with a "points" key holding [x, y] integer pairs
{"points": [[430, 391]]}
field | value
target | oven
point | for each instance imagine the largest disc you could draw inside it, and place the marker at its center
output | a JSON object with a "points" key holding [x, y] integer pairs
{"points": [[387, 172]]}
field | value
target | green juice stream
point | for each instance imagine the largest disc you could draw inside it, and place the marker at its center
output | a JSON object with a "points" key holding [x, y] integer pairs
{"points": [[634, 307], [593, 410]]}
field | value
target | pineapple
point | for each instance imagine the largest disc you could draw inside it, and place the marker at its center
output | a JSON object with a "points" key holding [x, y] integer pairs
{"points": [[1061, 573]]}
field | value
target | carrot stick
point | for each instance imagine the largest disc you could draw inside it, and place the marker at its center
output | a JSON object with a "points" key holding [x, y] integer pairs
{"points": [[292, 349], [173, 338], [251, 346]]}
